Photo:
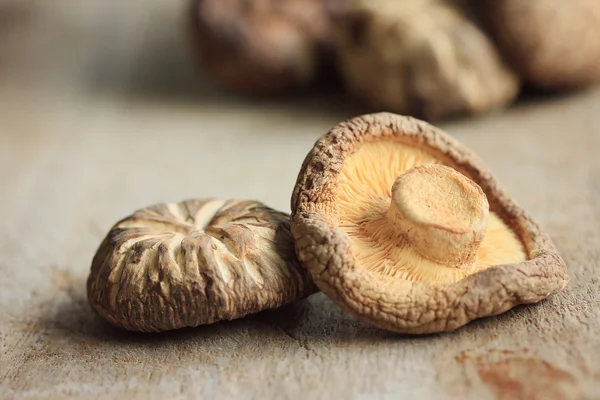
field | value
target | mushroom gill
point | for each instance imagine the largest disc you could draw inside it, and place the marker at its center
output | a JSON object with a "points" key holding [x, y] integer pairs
{"points": [[419, 246]]}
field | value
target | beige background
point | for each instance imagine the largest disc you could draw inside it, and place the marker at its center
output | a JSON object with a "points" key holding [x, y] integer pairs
{"points": [[101, 113]]}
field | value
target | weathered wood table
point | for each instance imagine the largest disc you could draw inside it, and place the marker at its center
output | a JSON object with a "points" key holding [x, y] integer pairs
{"points": [[101, 113]]}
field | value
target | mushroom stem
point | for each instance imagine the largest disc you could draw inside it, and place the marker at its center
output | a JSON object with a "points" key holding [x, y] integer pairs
{"points": [[442, 213]]}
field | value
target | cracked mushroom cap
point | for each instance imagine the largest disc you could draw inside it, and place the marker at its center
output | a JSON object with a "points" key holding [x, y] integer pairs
{"points": [[186, 264], [408, 230]]}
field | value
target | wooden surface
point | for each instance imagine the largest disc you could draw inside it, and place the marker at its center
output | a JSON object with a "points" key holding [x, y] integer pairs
{"points": [[101, 113]]}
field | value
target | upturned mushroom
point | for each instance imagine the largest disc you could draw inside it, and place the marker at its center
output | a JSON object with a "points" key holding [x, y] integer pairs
{"points": [[261, 47], [405, 228], [553, 44], [423, 57], [186, 264]]}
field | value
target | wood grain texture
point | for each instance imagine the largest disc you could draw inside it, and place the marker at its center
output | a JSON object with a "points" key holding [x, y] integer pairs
{"points": [[101, 114]]}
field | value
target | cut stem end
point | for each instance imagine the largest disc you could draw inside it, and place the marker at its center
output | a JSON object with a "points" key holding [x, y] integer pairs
{"points": [[441, 212]]}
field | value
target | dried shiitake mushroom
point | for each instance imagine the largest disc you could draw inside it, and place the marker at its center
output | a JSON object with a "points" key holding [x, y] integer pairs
{"points": [[261, 47], [408, 230], [421, 57], [553, 44], [196, 262]]}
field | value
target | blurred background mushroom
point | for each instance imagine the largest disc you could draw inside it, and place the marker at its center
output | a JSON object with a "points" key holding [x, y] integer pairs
{"points": [[261, 47], [551, 43], [423, 58]]}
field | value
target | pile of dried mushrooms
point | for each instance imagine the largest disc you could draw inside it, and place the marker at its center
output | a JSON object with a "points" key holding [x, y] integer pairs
{"points": [[431, 59]]}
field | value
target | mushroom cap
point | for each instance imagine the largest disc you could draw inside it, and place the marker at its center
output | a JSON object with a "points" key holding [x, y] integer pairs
{"points": [[553, 44], [517, 262], [260, 47], [420, 57], [170, 266]]}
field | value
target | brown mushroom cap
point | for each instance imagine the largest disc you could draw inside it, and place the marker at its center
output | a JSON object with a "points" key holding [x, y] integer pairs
{"points": [[260, 47], [420, 57], [179, 265], [553, 44], [402, 226]]}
